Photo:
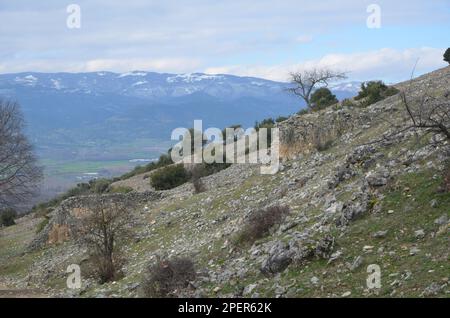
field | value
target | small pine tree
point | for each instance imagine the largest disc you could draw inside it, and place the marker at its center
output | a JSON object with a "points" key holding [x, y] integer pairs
{"points": [[375, 91], [322, 98], [447, 56], [169, 177], [7, 217]]}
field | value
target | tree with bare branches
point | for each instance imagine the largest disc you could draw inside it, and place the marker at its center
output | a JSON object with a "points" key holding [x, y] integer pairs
{"points": [[305, 82], [102, 230], [429, 114], [19, 172]]}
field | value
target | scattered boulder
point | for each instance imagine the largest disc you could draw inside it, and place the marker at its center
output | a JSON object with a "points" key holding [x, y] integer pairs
{"points": [[324, 247], [414, 251], [336, 207], [280, 257], [380, 234], [315, 281], [356, 263], [432, 290], [419, 234], [434, 203], [343, 173], [361, 154], [248, 289], [377, 179], [354, 209], [442, 220]]}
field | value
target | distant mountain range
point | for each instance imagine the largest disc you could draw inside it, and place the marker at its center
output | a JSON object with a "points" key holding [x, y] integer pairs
{"points": [[69, 114], [102, 124]]}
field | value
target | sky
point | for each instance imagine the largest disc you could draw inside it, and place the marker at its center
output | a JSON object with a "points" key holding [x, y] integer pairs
{"points": [[261, 38]]}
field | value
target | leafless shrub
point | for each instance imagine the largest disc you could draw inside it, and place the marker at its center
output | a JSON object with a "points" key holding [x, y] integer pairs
{"points": [[19, 173], [197, 173], [102, 230], [199, 187], [167, 276], [289, 136], [429, 114], [323, 138], [260, 222]]}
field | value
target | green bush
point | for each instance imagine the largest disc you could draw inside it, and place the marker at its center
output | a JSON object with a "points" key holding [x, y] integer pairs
{"points": [[322, 98], [374, 91], [42, 224], [281, 119], [447, 56], [303, 111], [7, 217], [347, 103], [169, 177], [121, 189], [207, 169], [99, 186]]}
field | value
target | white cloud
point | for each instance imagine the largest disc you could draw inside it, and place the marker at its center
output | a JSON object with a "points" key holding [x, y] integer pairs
{"points": [[162, 65], [177, 36], [387, 64], [176, 65]]}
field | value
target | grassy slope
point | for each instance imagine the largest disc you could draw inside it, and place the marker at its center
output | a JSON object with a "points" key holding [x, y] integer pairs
{"points": [[14, 263], [412, 212]]}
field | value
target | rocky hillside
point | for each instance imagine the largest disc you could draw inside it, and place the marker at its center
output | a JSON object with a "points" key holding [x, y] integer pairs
{"points": [[358, 194]]}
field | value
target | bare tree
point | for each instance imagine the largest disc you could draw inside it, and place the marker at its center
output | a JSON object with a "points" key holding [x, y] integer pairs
{"points": [[102, 230], [305, 82], [429, 114], [19, 172]]}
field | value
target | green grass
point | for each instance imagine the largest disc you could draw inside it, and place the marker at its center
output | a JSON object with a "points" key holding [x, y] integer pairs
{"points": [[412, 211], [73, 167], [42, 224], [13, 242], [121, 189]]}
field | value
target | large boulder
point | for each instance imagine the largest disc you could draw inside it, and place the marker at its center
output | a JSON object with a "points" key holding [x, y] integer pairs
{"points": [[280, 257]]}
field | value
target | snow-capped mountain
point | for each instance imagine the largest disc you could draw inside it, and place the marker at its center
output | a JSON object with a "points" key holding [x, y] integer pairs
{"points": [[350, 87], [146, 85], [150, 85]]}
